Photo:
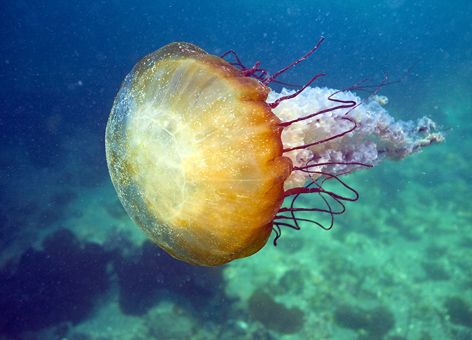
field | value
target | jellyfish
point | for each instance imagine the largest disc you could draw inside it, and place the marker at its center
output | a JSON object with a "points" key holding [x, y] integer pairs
{"points": [[202, 153]]}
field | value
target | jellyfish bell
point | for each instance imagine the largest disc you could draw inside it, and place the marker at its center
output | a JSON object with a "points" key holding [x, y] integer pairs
{"points": [[195, 155], [202, 153]]}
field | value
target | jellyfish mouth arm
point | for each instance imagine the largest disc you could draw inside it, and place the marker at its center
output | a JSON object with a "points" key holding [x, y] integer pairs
{"points": [[401, 139], [343, 133]]}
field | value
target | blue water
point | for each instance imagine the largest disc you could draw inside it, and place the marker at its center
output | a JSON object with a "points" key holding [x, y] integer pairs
{"points": [[72, 263]]}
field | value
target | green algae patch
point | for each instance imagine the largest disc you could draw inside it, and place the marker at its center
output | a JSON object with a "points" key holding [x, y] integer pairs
{"points": [[377, 322], [274, 315], [459, 311]]}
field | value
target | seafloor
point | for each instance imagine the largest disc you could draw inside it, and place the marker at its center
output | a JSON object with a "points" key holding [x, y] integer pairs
{"points": [[397, 265]]}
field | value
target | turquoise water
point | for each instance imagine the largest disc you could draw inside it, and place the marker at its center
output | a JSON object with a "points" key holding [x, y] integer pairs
{"points": [[397, 264]]}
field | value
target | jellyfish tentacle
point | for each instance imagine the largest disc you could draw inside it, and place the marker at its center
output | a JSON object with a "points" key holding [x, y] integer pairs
{"points": [[346, 104], [296, 93], [235, 55], [307, 166], [286, 84], [304, 57], [296, 192], [277, 231], [297, 219], [324, 140]]}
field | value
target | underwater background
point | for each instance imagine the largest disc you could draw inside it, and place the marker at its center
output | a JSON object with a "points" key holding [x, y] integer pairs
{"points": [[397, 264]]}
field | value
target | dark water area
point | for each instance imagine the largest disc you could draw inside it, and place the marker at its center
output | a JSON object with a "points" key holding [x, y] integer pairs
{"points": [[73, 265]]}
